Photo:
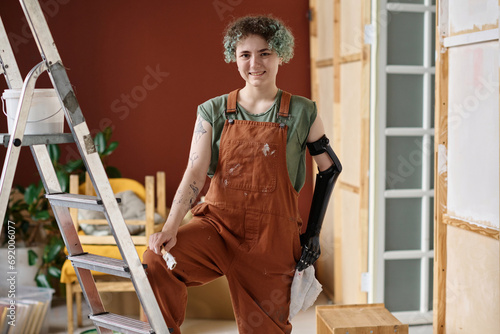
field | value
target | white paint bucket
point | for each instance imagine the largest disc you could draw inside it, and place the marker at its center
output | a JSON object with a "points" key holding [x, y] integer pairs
{"points": [[46, 114]]}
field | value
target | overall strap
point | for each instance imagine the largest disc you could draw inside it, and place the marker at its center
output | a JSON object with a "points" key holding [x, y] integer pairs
{"points": [[231, 102], [284, 104]]}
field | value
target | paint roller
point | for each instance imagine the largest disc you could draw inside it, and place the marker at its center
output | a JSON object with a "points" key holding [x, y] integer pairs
{"points": [[169, 259]]}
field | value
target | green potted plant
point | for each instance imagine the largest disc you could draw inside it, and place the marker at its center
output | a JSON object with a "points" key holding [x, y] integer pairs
{"points": [[30, 213], [35, 224]]}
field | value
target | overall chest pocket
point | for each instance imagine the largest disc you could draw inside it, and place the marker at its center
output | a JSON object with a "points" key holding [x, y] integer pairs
{"points": [[250, 166]]}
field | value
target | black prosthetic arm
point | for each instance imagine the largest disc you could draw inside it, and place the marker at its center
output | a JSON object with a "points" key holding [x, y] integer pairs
{"points": [[325, 181]]}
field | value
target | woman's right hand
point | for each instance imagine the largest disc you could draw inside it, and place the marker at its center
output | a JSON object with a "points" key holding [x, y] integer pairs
{"points": [[166, 239]]}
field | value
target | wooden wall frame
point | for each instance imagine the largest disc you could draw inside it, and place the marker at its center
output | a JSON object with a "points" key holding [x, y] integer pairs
{"points": [[441, 185], [348, 110], [446, 222]]}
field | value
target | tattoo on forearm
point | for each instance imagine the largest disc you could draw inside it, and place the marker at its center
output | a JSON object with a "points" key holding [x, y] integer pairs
{"points": [[192, 158], [199, 130], [181, 199], [178, 197], [195, 190]]}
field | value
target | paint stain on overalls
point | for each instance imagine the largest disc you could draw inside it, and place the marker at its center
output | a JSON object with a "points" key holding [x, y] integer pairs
{"points": [[247, 229]]}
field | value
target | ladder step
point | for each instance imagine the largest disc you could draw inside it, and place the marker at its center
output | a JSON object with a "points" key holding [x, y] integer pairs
{"points": [[100, 263], [28, 140], [121, 324], [77, 201]]}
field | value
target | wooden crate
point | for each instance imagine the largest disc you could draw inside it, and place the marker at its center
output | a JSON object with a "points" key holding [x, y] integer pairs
{"points": [[357, 319]]}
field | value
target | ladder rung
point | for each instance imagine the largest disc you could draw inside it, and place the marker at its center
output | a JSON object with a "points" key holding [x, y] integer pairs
{"points": [[77, 201], [100, 263], [28, 140], [120, 323]]}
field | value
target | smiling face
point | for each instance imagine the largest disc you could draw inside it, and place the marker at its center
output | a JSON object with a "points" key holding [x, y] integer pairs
{"points": [[257, 64]]}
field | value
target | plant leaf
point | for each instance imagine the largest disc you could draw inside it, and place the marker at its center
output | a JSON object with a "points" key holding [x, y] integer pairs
{"points": [[31, 194], [54, 152], [18, 205], [108, 132], [42, 215], [100, 142], [42, 281], [32, 257], [40, 190], [113, 172], [73, 165], [112, 146], [54, 272], [25, 225], [62, 177], [51, 250]]}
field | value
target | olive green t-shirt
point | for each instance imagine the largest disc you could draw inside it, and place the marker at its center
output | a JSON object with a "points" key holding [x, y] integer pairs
{"points": [[302, 115]]}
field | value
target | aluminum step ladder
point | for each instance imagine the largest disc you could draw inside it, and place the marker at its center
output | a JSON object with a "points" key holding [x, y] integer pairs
{"points": [[105, 201]]}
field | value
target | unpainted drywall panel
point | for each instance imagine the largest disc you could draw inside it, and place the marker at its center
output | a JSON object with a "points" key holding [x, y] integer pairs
{"points": [[473, 134], [324, 14], [350, 95], [472, 283], [352, 35], [325, 109], [325, 100], [351, 278], [472, 15]]}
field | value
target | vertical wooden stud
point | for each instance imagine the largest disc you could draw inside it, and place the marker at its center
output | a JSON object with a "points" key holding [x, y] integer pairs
{"points": [[441, 185]]}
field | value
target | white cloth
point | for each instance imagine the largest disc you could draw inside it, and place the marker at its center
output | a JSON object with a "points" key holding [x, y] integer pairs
{"points": [[169, 259], [305, 291]]}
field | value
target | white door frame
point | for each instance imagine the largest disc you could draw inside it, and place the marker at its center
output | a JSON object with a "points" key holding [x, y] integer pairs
{"points": [[378, 140]]}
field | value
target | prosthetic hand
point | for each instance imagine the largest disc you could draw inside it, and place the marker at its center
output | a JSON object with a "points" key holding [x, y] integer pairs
{"points": [[325, 181]]}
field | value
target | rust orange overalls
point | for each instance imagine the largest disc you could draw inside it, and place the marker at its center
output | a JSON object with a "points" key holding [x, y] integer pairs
{"points": [[247, 229]]}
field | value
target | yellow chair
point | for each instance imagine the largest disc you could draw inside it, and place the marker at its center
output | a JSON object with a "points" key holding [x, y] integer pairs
{"points": [[106, 245]]}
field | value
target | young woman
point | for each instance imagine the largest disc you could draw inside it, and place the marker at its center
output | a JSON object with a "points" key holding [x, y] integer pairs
{"points": [[252, 143]]}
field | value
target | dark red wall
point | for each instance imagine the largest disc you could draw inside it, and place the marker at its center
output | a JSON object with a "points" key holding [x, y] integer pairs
{"points": [[111, 48]]}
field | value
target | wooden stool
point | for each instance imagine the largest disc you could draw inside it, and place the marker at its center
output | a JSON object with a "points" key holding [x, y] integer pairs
{"points": [[357, 319]]}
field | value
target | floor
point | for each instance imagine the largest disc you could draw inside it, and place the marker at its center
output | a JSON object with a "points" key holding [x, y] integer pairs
{"points": [[303, 323]]}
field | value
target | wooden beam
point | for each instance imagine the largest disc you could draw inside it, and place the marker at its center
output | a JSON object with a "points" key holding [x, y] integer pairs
{"points": [[89, 187], [471, 38], [343, 60], [73, 188], [352, 57], [324, 63], [337, 229], [475, 29], [468, 226], [149, 183], [364, 57], [161, 196], [441, 176], [313, 47], [348, 187]]}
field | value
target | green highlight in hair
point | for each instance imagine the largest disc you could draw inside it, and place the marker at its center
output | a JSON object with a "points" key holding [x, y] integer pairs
{"points": [[276, 34]]}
